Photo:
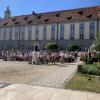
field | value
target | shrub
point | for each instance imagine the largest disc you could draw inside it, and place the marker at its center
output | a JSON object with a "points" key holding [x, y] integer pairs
{"points": [[51, 46], [80, 68], [85, 59], [89, 69], [97, 43], [97, 57], [90, 61], [73, 47]]}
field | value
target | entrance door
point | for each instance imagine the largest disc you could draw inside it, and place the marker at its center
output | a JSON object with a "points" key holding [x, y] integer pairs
{"points": [[36, 48]]}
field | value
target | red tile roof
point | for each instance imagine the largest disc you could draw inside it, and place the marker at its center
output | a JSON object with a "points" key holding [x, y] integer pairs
{"points": [[81, 14]]}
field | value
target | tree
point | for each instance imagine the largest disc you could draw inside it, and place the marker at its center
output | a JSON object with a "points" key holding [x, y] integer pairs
{"points": [[51, 46], [73, 47], [96, 45]]}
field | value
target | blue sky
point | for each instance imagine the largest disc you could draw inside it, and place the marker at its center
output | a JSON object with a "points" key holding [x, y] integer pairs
{"points": [[22, 7]]}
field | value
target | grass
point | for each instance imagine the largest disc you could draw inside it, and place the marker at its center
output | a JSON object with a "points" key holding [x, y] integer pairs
{"points": [[93, 65], [82, 82]]}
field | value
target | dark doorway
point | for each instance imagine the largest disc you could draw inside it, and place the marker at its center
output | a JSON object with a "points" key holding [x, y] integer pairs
{"points": [[36, 47]]}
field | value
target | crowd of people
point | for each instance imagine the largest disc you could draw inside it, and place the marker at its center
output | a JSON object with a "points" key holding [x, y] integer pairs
{"points": [[43, 57], [95, 55], [39, 57]]}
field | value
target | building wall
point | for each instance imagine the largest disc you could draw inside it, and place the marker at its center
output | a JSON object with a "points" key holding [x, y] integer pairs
{"points": [[86, 36], [0, 34], [13, 35], [33, 33], [76, 30], [41, 42], [41, 33], [67, 31], [26, 32], [48, 32]]}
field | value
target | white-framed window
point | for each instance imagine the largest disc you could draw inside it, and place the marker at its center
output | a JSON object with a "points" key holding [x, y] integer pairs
{"points": [[16, 33], [22, 32], [10, 33], [62, 31], [30, 32], [92, 30], [53, 29], [72, 31], [44, 32], [81, 30], [4, 33], [36, 32], [0, 34]]}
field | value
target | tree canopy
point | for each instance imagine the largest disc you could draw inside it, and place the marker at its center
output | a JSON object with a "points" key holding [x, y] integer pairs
{"points": [[51, 46], [97, 43], [73, 47]]}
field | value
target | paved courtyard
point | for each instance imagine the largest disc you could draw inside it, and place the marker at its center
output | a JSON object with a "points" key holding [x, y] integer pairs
{"points": [[22, 72], [41, 75], [14, 76], [26, 92], [58, 77]]}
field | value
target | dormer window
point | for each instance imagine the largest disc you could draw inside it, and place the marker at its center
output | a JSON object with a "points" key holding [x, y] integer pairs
{"points": [[30, 21], [39, 16], [69, 18], [46, 20], [89, 16], [25, 18], [58, 15], [14, 19], [5, 24], [16, 23], [33, 13], [80, 12]]}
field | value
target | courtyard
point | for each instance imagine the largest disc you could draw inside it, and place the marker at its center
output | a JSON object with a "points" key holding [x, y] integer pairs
{"points": [[41, 75], [22, 72], [34, 82]]}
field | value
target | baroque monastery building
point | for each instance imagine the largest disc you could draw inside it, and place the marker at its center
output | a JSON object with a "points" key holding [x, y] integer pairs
{"points": [[33, 31]]}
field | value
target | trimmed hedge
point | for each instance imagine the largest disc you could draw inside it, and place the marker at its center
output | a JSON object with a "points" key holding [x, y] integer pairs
{"points": [[51, 46], [73, 47], [90, 61], [89, 69]]}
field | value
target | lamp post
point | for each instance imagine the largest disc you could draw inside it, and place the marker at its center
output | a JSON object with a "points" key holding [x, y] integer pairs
{"points": [[19, 36], [57, 33]]}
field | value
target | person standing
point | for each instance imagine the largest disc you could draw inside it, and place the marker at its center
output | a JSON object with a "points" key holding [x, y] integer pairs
{"points": [[34, 57]]}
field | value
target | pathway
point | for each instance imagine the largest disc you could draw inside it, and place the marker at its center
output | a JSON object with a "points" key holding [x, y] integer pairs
{"points": [[26, 92], [58, 77]]}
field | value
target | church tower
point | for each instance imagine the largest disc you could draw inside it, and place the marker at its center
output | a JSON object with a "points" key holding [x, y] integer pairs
{"points": [[7, 13]]}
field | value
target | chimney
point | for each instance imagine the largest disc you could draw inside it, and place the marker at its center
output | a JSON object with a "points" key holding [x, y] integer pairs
{"points": [[34, 13]]}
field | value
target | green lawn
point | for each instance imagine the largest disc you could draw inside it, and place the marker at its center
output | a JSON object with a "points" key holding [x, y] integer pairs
{"points": [[82, 82], [93, 65]]}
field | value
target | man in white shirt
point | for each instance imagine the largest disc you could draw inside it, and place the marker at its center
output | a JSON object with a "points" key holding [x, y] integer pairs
{"points": [[34, 57]]}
